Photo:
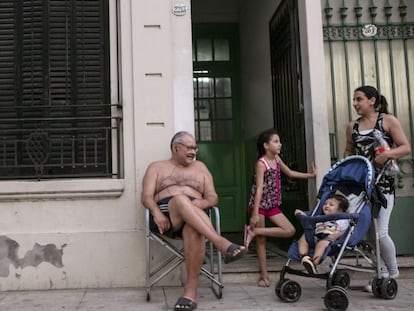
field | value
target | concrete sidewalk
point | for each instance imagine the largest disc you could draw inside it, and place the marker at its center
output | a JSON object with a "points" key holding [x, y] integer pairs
{"points": [[236, 296]]}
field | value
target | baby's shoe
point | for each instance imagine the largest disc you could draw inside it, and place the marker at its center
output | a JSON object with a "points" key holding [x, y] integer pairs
{"points": [[309, 265]]}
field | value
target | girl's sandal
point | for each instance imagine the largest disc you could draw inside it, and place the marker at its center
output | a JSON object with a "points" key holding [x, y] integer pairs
{"points": [[263, 282], [248, 236]]}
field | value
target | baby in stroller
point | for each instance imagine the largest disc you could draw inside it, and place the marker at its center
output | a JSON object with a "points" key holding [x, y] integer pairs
{"points": [[352, 178], [325, 233]]}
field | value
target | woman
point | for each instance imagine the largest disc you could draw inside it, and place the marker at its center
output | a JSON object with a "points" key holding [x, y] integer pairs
{"points": [[373, 115]]}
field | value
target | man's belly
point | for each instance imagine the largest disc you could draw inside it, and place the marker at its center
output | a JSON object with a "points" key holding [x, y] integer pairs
{"points": [[177, 190]]}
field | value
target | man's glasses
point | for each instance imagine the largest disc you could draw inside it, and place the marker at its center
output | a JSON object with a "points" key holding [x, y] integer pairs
{"points": [[189, 148]]}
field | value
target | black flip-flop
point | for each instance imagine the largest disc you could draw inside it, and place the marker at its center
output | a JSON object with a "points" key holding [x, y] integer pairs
{"points": [[184, 303], [229, 256]]}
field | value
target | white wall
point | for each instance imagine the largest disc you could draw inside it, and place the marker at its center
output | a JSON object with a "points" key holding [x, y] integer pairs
{"points": [[215, 11], [74, 233], [314, 92], [256, 79], [90, 233], [253, 18], [97, 226], [255, 68]]}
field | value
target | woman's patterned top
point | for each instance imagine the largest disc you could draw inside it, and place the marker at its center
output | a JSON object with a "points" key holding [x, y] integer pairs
{"points": [[364, 144]]}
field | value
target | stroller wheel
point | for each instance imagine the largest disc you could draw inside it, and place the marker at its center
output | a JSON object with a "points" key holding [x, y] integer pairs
{"points": [[389, 288], [376, 287], [341, 278], [277, 288], [290, 291], [336, 299]]}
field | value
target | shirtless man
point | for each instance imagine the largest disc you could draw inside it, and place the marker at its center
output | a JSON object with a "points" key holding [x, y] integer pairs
{"points": [[176, 191]]}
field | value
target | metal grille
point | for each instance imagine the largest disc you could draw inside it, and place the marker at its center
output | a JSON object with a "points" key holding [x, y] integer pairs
{"points": [[56, 119], [369, 43], [287, 84]]}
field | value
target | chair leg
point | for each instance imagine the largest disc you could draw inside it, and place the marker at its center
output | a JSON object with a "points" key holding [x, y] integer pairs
{"points": [[147, 246], [212, 271], [215, 257], [215, 271]]}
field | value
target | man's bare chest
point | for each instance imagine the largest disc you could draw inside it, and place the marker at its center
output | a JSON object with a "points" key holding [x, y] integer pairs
{"points": [[181, 178]]}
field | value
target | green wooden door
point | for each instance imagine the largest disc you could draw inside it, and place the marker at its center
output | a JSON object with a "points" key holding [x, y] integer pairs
{"points": [[217, 121]]}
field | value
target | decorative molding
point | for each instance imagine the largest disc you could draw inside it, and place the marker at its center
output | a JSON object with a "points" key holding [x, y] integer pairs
{"points": [[355, 32]]}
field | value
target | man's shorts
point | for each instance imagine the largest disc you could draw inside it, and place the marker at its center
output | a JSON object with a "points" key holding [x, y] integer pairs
{"points": [[163, 205]]}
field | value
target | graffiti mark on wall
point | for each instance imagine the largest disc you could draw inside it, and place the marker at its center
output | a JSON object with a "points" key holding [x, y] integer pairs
{"points": [[34, 257]]}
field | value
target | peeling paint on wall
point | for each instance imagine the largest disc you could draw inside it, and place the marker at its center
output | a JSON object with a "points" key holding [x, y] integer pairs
{"points": [[34, 257]]}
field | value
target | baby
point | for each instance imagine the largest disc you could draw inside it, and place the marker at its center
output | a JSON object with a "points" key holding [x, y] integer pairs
{"points": [[325, 232]]}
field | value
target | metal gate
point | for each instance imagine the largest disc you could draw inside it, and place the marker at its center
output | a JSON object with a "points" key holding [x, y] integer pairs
{"points": [[287, 82], [288, 113], [372, 43]]}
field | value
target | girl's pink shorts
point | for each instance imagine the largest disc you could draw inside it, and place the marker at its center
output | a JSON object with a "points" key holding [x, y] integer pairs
{"points": [[266, 212]]}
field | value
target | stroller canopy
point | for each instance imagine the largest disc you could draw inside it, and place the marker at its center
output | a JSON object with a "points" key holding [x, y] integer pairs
{"points": [[352, 174]]}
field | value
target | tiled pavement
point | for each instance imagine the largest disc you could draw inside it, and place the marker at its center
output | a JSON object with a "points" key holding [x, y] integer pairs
{"points": [[236, 296]]}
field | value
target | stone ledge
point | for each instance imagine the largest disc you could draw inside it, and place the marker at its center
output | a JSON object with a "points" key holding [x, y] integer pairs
{"points": [[61, 189]]}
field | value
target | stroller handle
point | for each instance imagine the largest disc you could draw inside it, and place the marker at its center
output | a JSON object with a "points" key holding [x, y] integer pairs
{"points": [[308, 221]]}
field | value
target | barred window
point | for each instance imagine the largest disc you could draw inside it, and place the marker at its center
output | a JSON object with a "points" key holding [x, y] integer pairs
{"points": [[56, 118]]}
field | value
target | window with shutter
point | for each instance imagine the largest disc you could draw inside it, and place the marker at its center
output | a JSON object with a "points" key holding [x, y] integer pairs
{"points": [[55, 111]]}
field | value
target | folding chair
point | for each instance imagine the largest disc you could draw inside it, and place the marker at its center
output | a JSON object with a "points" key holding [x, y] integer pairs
{"points": [[211, 269]]}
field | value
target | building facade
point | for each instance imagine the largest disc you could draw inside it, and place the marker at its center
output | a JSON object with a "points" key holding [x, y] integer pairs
{"points": [[93, 91]]}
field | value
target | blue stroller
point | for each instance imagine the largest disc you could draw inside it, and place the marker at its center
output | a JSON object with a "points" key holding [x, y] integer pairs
{"points": [[352, 177]]}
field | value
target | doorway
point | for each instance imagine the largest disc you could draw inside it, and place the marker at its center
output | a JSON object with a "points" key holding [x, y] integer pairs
{"points": [[288, 107], [217, 116], [236, 97]]}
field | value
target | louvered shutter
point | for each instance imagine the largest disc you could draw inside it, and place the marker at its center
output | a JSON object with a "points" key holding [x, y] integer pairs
{"points": [[55, 112]]}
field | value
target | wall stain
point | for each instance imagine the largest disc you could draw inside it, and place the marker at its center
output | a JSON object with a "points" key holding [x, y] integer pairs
{"points": [[34, 257]]}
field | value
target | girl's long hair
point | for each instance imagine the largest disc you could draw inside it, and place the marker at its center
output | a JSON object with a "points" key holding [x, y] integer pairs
{"points": [[264, 137]]}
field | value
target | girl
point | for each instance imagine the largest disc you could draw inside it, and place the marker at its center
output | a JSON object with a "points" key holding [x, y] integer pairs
{"points": [[266, 197]]}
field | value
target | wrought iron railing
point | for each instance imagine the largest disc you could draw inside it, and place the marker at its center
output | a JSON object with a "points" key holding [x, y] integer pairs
{"points": [[61, 152], [370, 42]]}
